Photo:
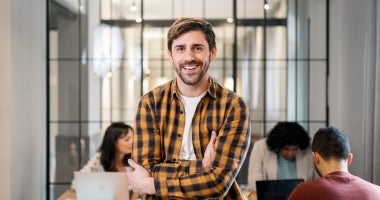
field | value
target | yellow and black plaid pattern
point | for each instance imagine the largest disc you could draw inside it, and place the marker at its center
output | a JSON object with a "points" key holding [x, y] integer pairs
{"points": [[159, 125]]}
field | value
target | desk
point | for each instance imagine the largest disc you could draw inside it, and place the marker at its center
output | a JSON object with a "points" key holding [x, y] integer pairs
{"points": [[71, 195], [68, 195], [250, 195]]}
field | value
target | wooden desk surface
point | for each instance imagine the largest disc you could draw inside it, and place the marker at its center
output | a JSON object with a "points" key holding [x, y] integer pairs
{"points": [[71, 195], [250, 196], [68, 195]]}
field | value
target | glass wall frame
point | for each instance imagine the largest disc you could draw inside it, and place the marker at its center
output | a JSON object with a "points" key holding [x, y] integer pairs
{"points": [[103, 56]]}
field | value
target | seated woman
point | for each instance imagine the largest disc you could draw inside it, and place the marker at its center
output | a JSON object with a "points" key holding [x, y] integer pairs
{"points": [[113, 153], [284, 154]]}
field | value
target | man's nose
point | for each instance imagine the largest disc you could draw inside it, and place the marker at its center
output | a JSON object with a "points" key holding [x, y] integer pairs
{"points": [[189, 55]]}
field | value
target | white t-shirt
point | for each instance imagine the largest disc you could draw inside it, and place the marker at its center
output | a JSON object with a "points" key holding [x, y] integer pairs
{"points": [[187, 148]]}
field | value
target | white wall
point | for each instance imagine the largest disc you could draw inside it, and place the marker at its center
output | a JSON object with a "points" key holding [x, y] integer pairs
{"points": [[23, 99], [346, 81], [5, 90]]}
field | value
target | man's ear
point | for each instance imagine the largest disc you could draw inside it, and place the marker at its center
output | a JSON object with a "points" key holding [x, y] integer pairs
{"points": [[316, 157], [169, 53], [349, 159], [213, 54]]}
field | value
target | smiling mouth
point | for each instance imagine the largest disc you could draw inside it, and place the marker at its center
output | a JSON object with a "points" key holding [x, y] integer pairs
{"points": [[190, 67]]}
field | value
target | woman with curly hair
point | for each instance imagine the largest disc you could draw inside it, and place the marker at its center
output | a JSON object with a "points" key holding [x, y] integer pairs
{"points": [[284, 154]]}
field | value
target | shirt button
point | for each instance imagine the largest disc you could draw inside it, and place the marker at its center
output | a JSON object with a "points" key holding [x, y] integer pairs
{"points": [[174, 160], [180, 135], [181, 112]]}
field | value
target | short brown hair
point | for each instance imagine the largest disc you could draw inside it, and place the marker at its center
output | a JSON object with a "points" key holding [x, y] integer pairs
{"points": [[184, 25]]}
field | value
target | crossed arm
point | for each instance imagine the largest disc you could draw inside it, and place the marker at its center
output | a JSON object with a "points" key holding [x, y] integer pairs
{"points": [[142, 183], [156, 146]]}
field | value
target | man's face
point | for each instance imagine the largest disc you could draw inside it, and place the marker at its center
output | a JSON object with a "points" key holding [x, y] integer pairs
{"points": [[191, 57]]}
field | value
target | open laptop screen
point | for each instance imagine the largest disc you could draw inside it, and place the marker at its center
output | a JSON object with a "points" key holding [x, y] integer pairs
{"points": [[275, 189], [101, 186]]}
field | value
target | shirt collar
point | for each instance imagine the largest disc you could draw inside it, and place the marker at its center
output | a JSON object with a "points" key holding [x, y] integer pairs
{"points": [[211, 91]]}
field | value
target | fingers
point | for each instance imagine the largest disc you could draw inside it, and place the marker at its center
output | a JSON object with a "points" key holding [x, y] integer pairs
{"points": [[138, 170], [206, 161], [212, 140], [213, 137], [132, 163]]}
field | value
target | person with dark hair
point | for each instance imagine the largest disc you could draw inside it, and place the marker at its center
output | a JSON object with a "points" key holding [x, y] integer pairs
{"points": [[283, 154], [332, 156], [114, 151], [191, 134]]}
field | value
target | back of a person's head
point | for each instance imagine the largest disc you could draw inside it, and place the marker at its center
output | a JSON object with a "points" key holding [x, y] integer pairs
{"points": [[331, 143], [287, 133]]}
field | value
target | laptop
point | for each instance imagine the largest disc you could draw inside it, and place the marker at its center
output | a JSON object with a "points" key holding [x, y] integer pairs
{"points": [[101, 186], [276, 189]]}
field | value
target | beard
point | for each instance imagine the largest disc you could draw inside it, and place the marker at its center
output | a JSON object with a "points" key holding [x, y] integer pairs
{"points": [[194, 79]]}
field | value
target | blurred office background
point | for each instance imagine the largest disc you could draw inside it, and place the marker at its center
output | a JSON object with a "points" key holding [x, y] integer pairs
{"points": [[70, 67]]}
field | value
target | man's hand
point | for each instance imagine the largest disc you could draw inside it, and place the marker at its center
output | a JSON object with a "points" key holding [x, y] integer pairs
{"points": [[206, 161], [139, 179]]}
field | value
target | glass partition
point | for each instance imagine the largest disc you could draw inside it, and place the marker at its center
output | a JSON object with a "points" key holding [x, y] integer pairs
{"points": [[104, 54]]}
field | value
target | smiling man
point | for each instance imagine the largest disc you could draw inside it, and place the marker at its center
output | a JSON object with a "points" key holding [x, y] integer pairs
{"points": [[191, 134]]}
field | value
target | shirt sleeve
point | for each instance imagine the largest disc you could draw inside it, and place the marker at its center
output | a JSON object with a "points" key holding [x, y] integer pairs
{"points": [[184, 179], [256, 171], [297, 193]]}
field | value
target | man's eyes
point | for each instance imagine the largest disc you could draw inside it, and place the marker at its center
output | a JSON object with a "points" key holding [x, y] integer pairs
{"points": [[195, 49], [198, 49], [180, 49]]}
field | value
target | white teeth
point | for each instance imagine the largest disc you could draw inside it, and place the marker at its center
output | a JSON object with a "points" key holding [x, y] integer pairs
{"points": [[189, 67]]}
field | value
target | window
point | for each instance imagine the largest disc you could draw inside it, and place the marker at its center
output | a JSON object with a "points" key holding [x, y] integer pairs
{"points": [[103, 56]]}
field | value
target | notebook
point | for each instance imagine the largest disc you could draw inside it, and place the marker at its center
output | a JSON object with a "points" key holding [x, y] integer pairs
{"points": [[276, 189], [101, 186]]}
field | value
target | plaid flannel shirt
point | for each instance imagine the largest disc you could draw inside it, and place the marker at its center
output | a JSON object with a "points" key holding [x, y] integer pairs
{"points": [[158, 129]]}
